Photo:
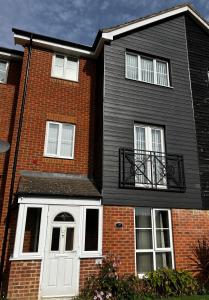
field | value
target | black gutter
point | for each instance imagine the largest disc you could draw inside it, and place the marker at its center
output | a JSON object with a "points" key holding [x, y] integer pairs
{"points": [[11, 193]]}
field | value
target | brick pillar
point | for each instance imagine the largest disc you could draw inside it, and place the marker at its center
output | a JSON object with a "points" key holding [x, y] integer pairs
{"points": [[120, 241], [24, 280]]}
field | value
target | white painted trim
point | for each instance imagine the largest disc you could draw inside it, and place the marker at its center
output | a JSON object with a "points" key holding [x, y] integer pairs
{"points": [[110, 35], [22, 40], [20, 231], [28, 257], [59, 201], [69, 48], [59, 140], [98, 253], [9, 55]]}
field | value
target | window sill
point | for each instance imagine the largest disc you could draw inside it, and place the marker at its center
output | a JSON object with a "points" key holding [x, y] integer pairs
{"points": [[28, 257], [65, 79], [58, 157], [153, 84], [3, 82], [91, 255]]}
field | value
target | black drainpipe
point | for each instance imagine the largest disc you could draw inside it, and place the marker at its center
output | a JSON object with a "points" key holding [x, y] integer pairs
{"points": [[11, 192]]}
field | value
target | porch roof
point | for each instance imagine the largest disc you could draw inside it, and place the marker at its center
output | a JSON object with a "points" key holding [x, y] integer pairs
{"points": [[54, 184]]}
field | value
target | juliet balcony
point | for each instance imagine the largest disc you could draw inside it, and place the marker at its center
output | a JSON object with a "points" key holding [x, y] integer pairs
{"points": [[141, 169]]}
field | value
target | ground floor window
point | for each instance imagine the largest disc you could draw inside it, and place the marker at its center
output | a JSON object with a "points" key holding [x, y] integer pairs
{"points": [[154, 247]]}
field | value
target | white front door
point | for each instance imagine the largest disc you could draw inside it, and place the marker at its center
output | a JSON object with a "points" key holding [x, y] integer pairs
{"points": [[61, 263]]}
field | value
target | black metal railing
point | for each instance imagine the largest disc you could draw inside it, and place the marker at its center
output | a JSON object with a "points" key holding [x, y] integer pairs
{"points": [[151, 170]]}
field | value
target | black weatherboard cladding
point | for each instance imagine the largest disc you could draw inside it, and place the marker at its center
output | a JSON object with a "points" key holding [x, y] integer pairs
{"points": [[198, 50], [128, 101]]}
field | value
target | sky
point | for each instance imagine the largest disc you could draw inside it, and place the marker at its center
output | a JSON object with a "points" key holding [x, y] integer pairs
{"points": [[77, 20]]}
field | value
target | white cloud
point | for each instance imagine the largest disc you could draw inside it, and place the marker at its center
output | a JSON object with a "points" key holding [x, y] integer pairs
{"points": [[77, 20]]}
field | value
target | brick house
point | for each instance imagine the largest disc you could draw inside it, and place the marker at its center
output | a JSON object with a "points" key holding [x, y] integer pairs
{"points": [[109, 152]]}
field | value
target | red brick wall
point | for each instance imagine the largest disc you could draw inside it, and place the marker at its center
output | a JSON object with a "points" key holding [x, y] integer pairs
{"points": [[57, 100], [120, 241], [24, 280], [88, 267], [8, 101], [188, 227]]}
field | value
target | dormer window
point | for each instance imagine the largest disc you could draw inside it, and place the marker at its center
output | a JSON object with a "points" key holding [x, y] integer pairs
{"points": [[147, 69], [4, 65], [65, 67]]}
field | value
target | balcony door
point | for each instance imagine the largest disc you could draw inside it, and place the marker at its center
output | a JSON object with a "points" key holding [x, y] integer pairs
{"points": [[149, 144]]}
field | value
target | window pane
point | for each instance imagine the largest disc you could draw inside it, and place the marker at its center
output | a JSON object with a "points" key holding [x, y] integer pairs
{"points": [[3, 68], [140, 138], [55, 239], [143, 217], [53, 139], [163, 260], [132, 66], [144, 262], [32, 230], [92, 225], [147, 70], [156, 140], [59, 66], [71, 71], [161, 219], [162, 76], [69, 239], [67, 140], [163, 238], [143, 239], [64, 217]]}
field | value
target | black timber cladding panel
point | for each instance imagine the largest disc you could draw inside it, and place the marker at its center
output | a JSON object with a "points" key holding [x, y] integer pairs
{"points": [[198, 50], [127, 101]]}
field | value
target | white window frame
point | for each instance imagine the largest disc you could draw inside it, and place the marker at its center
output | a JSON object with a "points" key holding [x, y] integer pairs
{"points": [[7, 71], [155, 60], [154, 249], [53, 74], [148, 142], [59, 140], [20, 232], [98, 253]]}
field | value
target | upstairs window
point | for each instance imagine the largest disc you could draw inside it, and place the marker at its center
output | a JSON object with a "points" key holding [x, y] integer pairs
{"points": [[147, 69], [59, 141], [65, 67], [4, 65]]}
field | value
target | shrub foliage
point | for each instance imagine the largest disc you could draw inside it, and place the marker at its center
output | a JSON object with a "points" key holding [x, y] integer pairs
{"points": [[109, 285]]}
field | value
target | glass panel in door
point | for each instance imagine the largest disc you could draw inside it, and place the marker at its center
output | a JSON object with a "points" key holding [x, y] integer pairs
{"points": [[141, 156], [69, 240], [158, 159]]}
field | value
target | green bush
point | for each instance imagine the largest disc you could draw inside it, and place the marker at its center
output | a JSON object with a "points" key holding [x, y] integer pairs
{"points": [[107, 284], [200, 259], [167, 282]]}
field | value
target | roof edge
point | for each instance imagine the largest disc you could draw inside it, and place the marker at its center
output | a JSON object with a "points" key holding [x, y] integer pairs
{"points": [[23, 37], [11, 53], [111, 32]]}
